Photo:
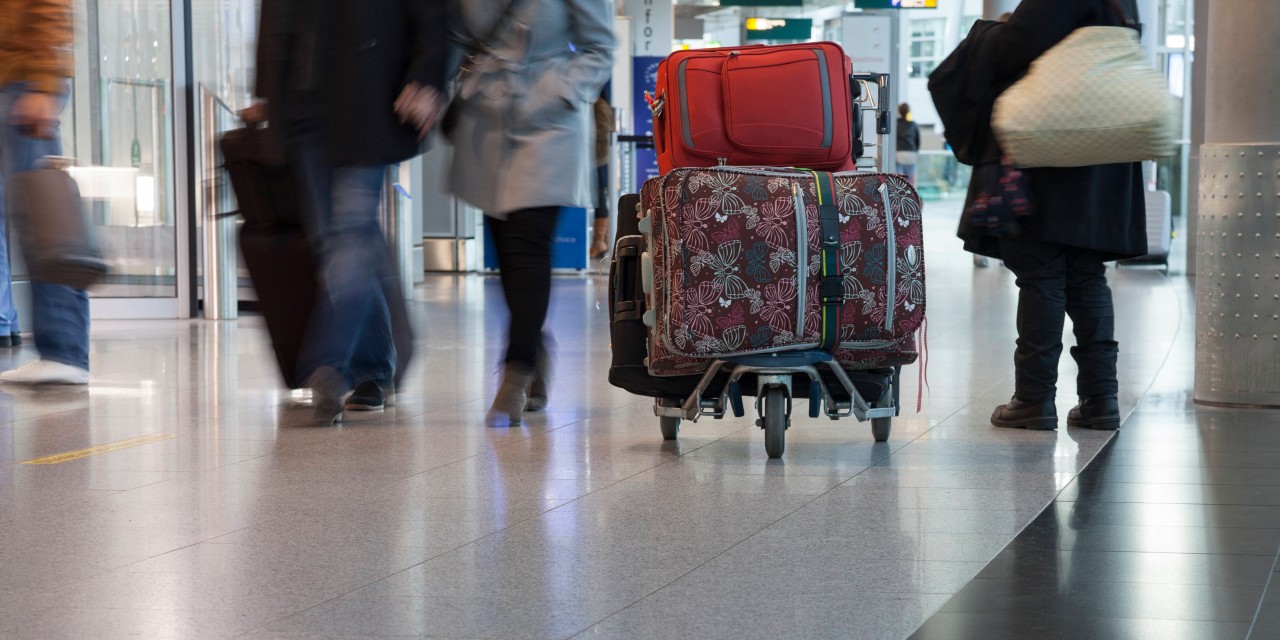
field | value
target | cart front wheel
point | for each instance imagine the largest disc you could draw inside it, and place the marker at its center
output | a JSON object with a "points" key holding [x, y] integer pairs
{"points": [[880, 428], [775, 421], [670, 427]]}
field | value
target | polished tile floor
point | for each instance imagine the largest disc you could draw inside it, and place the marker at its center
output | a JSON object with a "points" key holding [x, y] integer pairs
{"points": [[232, 516]]}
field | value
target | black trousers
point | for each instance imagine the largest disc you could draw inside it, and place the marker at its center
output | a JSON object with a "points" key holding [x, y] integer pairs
{"points": [[523, 243], [1055, 281]]}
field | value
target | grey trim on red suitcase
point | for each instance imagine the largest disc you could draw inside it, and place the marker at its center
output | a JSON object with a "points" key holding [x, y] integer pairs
{"points": [[827, 124], [684, 103]]}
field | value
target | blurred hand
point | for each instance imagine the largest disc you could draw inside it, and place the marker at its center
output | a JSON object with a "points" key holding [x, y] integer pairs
{"points": [[36, 114], [255, 114], [419, 107]]}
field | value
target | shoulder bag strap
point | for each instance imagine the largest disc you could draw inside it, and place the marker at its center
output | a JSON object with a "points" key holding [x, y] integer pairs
{"points": [[473, 43], [1124, 17]]}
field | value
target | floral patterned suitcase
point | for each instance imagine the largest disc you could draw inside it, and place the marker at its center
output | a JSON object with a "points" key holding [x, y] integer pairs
{"points": [[735, 266]]}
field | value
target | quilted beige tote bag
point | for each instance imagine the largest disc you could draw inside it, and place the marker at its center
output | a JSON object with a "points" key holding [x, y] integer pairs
{"points": [[1091, 99]]}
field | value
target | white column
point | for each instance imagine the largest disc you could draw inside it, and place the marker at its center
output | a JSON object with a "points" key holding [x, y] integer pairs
{"points": [[652, 26]]}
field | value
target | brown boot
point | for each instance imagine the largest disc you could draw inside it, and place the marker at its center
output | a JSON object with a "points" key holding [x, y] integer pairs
{"points": [[513, 394], [599, 238]]}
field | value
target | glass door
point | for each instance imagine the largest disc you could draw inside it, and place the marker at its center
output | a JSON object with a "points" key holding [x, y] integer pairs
{"points": [[119, 125], [135, 124]]}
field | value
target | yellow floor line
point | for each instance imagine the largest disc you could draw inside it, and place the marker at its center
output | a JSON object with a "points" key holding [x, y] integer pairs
{"points": [[102, 448]]}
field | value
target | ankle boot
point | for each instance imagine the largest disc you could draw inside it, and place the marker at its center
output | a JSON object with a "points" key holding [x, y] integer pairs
{"points": [[1019, 414], [541, 380], [1096, 412], [513, 394], [599, 238]]}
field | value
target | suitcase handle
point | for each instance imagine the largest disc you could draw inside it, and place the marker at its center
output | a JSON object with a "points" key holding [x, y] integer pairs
{"points": [[626, 270]]}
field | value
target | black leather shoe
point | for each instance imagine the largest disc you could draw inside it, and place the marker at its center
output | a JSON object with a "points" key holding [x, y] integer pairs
{"points": [[1096, 412], [367, 396], [15, 339], [1039, 416]]}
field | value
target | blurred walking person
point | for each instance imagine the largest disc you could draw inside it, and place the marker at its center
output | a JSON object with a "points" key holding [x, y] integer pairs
{"points": [[520, 125], [35, 66], [352, 86], [603, 117]]}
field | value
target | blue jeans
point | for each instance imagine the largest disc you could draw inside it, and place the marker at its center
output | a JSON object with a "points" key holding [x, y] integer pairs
{"points": [[350, 326], [60, 314]]}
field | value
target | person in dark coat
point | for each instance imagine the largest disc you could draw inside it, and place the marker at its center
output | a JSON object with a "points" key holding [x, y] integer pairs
{"points": [[1083, 217], [908, 143], [351, 87]]}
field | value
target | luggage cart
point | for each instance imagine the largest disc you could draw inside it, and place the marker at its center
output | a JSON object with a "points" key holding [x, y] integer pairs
{"points": [[776, 380]]}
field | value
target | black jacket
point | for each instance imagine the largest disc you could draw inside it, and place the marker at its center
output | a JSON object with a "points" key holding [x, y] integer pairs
{"points": [[964, 88], [908, 135], [1100, 207], [367, 51]]}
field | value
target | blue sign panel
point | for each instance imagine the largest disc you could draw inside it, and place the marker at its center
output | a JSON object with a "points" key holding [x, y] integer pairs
{"points": [[569, 245]]}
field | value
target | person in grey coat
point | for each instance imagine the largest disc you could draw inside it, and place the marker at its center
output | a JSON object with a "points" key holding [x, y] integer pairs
{"points": [[521, 130]]}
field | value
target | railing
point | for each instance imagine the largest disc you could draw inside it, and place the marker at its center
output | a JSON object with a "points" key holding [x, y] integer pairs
{"points": [[398, 227], [216, 210], [939, 176]]}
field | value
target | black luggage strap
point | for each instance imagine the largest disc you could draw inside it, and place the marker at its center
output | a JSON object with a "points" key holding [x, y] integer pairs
{"points": [[831, 283]]}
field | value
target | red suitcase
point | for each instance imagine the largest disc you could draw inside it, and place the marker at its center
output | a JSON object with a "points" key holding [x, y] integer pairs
{"points": [[733, 266], [782, 106]]}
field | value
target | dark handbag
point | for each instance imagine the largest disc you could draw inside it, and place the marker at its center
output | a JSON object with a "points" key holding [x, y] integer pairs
{"points": [[54, 233], [1002, 200]]}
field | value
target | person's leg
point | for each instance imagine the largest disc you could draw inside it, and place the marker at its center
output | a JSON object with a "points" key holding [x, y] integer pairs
{"points": [[1040, 269], [11, 143], [1096, 351], [523, 243], [60, 314], [61, 318], [352, 250], [600, 225]]}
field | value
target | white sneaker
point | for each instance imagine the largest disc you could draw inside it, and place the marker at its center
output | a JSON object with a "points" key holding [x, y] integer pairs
{"points": [[46, 372]]}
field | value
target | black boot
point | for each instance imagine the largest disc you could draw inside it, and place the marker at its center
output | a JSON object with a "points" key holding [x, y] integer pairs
{"points": [[1039, 416], [541, 381], [1096, 412]]}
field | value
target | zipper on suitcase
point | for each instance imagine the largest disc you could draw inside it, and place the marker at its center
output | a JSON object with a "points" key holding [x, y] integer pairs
{"points": [[891, 269], [802, 255]]}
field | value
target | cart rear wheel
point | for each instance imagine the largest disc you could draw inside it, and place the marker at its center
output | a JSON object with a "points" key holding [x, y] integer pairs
{"points": [[775, 421], [880, 427], [670, 427]]}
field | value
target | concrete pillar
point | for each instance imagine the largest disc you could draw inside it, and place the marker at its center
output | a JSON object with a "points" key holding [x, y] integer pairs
{"points": [[992, 9], [1238, 282]]}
